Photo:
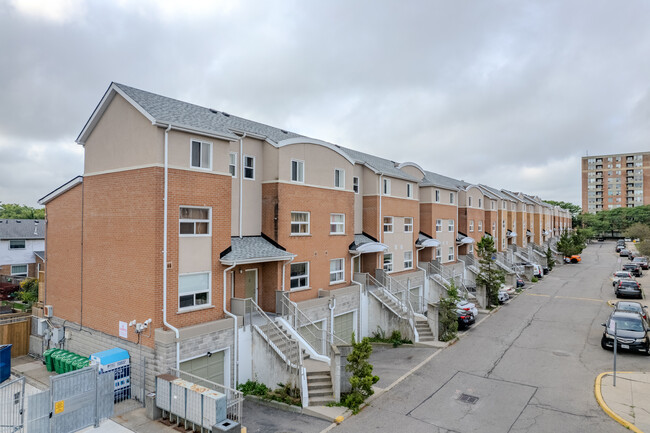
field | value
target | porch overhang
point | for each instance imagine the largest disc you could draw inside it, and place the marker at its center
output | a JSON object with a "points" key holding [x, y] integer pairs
{"points": [[529, 233], [426, 241], [462, 239], [364, 244], [511, 234], [253, 249]]}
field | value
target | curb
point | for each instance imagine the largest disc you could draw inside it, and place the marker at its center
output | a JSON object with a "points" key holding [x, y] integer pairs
{"points": [[599, 398]]}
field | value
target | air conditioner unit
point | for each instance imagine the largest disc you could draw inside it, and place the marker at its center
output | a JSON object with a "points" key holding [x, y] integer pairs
{"points": [[48, 311], [57, 335], [41, 327]]}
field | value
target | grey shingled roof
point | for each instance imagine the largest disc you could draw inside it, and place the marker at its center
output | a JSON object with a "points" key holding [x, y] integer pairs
{"points": [[40, 254], [22, 229], [169, 110], [494, 191], [254, 249], [360, 240], [435, 179], [382, 165]]}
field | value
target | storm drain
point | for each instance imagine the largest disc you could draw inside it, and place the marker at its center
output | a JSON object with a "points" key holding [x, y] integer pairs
{"points": [[466, 398]]}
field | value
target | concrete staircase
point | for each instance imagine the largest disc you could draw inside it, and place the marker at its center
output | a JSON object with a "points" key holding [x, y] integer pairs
{"points": [[319, 383], [287, 346], [424, 331], [387, 301]]}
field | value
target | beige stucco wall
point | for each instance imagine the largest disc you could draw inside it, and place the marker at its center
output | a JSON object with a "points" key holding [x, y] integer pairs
{"points": [[122, 138], [320, 162], [413, 171], [358, 200], [194, 254], [180, 151], [370, 182], [399, 242], [475, 194], [428, 195]]}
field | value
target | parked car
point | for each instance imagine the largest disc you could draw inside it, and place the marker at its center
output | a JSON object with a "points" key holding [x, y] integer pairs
{"points": [[633, 306], [503, 296], [643, 261], [467, 306], [573, 259], [601, 239], [633, 268], [624, 252], [511, 291], [621, 275], [631, 332], [538, 271], [629, 289], [619, 247], [465, 319], [520, 282]]}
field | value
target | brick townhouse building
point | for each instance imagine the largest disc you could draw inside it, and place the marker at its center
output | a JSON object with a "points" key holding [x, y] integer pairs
{"points": [[192, 217]]}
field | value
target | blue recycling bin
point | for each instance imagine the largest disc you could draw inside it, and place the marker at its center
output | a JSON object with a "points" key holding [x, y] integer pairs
{"points": [[5, 362]]}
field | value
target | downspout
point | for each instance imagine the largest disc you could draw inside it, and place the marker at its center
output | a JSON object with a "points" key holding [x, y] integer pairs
{"points": [[284, 271], [360, 294], [380, 227], [241, 184], [425, 288], [165, 202], [229, 314], [331, 304]]}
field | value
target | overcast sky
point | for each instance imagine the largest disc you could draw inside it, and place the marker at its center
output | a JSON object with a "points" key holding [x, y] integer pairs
{"points": [[507, 93]]}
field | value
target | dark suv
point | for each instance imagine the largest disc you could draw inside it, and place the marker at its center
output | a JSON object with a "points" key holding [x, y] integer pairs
{"points": [[628, 288], [633, 268], [631, 332]]}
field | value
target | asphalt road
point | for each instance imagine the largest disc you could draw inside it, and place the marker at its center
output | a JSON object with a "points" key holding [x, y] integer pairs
{"points": [[530, 367]]}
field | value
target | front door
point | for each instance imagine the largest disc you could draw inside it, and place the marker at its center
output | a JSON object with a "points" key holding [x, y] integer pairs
{"points": [[251, 284]]}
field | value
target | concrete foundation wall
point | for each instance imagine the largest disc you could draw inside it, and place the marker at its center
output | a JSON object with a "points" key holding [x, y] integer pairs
{"points": [[267, 366], [380, 317]]}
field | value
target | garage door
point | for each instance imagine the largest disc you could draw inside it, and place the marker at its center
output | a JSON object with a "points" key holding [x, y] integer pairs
{"points": [[344, 326], [313, 334], [207, 367]]}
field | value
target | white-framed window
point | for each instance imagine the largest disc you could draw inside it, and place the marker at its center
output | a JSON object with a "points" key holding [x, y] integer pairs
{"points": [[492, 204], [355, 184], [408, 225], [439, 254], [480, 225], [503, 244], [388, 262], [337, 271], [450, 255], [299, 275], [388, 224], [408, 259], [17, 244], [438, 225], [480, 203], [201, 154], [409, 190], [195, 221], [471, 225], [337, 223], [494, 228], [470, 248], [386, 187], [503, 204], [339, 178], [232, 164], [249, 167], [299, 223], [19, 270], [297, 171], [450, 225], [437, 199], [194, 290], [469, 201], [451, 198], [503, 224]]}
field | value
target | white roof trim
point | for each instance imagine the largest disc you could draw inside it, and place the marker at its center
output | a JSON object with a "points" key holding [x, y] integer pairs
{"points": [[412, 164], [306, 140], [430, 243], [370, 247], [60, 190]]}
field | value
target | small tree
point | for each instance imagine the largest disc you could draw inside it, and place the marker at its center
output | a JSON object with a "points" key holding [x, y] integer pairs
{"points": [[28, 292], [638, 231], [362, 378], [447, 313], [644, 247], [550, 260], [490, 275]]}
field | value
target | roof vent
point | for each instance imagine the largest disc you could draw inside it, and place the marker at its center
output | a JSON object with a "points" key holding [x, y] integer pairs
{"points": [[225, 114], [284, 131], [18, 221], [212, 110]]}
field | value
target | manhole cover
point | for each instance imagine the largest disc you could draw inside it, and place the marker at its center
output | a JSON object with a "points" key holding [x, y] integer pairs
{"points": [[466, 398]]}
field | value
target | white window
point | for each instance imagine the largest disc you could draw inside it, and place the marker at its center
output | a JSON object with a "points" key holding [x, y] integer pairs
{"points": [[388, 262], [408, 259], [480, 225], [480, 203], [494, 228], [339, 178], [386, 187], [438, 225], [194, 221], [503, 244], [19, 270], [388, 224], [355, 184], [437, 196], [503, 204], [193, 290], [408, 225], [492, 204], [450, 225], [249, 167], [337, 271], [299, 223], [439, 254], [232, 164], [297, 171], [17, 244], [201, 154], [409, 190], [299, 275], [469, 201], [451, 198], [471, 225], [337, 223], [503, 224], [470, 249], [450, 256]]}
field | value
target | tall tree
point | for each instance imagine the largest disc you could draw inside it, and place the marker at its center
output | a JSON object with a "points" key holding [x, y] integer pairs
{"points": [[20, 212], [490, 275], [638, 231]]}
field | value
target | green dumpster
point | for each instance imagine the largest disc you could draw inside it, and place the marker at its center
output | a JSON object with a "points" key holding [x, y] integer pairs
{"points": [[47, 355]]}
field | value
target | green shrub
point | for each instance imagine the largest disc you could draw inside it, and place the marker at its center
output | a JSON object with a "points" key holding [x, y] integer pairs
{"points": [[448, 317], [28, 292], [253, 388], [362, 378], [534, 280]]}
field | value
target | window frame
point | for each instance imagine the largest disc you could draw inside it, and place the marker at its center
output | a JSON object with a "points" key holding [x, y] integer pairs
{"points": [[471, 226], [439, 225], [300, 223], [355, 184], [407, 225], [201, 143], [387, 264], [12, 241], [451, 198], [195, 306], [194, 221], [436, 198], [438, 255], [391, 224], [469, 201], [451, 225], [305, 276], [338, 271], [300, 170], [408, 263], [342, 224], [385, 187], [480, 225], [451, 254], [232, 166], [409, 190], [19, 274], [339, 177], [245, 167]]}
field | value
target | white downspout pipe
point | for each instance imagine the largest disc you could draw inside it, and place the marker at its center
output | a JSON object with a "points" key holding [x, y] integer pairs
{"points": [[361, 307], [241, 183], [380, 227], [284, 267], [235, 329], [165, 201]]}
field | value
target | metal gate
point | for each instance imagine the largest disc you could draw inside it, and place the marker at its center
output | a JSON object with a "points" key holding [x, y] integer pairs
{"points": [[12, 398]]}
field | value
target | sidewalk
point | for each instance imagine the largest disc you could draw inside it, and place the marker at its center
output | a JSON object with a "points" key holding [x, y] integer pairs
{"points": [[629, 401]]}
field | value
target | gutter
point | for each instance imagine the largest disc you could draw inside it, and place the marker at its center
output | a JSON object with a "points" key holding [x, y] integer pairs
{"points": [[235, 328], [241, 182]]}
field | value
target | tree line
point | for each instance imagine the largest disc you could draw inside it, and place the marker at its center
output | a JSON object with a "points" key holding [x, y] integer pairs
{"points": [[20, 212]]}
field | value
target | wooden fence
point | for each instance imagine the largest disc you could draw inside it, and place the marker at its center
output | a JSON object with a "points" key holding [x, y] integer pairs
{"points": [[15, 330]]}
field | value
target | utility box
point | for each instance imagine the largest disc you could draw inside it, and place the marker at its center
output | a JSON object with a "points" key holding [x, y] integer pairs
{"points": [[48, 311], [41, 327], [57, 335], [118, 361], [227, 426]]}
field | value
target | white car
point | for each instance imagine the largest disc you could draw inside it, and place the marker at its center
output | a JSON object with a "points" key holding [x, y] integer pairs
{"points": [[538, 271], [467, 306], [503, 296], [621, 275]]}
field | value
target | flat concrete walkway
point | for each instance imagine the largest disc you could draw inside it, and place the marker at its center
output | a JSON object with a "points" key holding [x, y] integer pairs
{"points": [[629, 401]]}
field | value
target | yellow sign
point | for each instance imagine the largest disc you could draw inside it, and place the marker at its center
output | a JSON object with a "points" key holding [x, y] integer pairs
{"points": [[59, 406]]}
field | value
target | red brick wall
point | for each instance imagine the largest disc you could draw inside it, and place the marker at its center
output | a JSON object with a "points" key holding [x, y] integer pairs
{"points": [[371, 215]]}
